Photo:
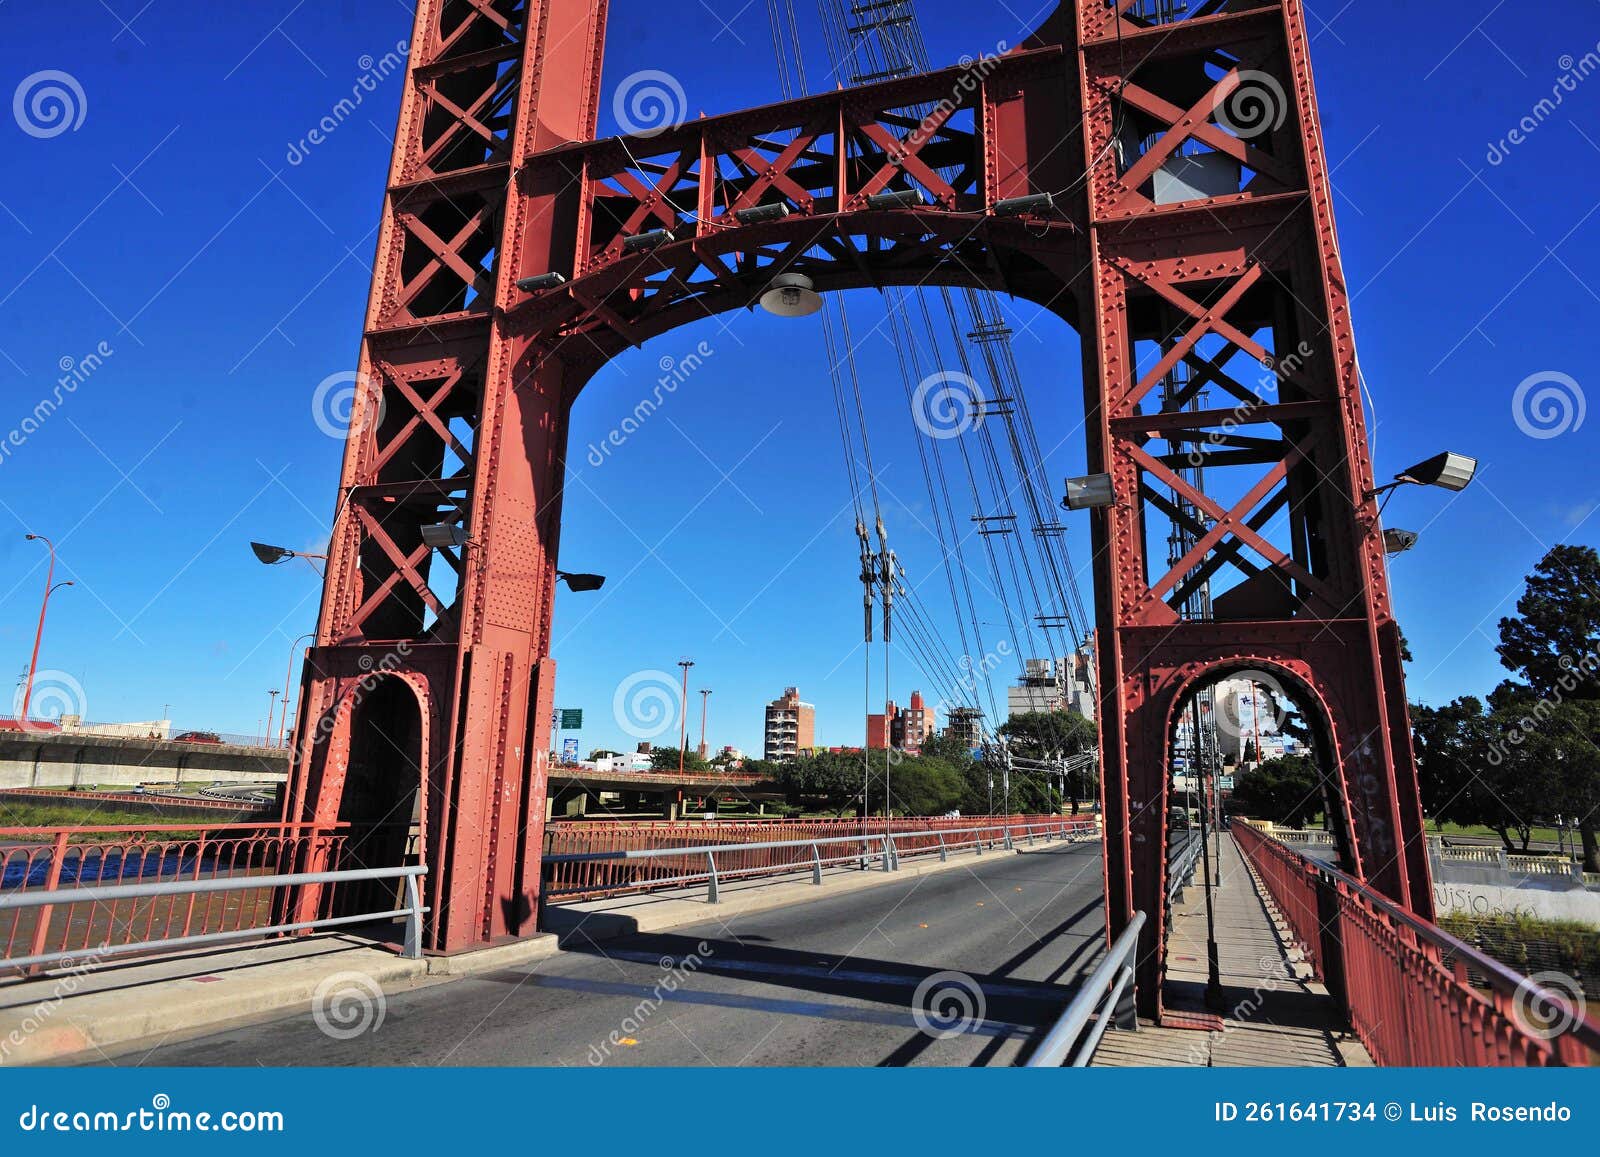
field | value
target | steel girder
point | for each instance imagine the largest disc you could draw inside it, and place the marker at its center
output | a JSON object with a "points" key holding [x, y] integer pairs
{"points": [[466, 382]]}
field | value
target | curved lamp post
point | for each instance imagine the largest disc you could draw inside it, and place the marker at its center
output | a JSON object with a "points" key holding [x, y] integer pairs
{"points": [[50, 588]]}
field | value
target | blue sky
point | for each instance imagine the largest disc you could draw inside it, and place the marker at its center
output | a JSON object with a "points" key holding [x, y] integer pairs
{"points": [[227, 283]]}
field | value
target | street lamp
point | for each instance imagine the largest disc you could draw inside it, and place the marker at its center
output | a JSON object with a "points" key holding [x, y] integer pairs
{"points": [[581, 582], [1448, 471], [1091, 492], [273, 555], [683, 712], [1398, 541], [791, 295], [288, 674], [50, 588], [705, 702]]}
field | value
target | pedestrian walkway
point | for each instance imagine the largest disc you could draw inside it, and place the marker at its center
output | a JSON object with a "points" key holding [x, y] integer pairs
{"points": [[1271, 1015]]}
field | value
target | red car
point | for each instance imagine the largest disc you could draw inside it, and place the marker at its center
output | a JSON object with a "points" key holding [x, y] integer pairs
{"points": [[197, 737]]}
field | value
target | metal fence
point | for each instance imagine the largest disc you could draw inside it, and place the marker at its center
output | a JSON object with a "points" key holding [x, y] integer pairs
{"points": [[1181, 871], [67, 873], [1403, 984], [678, 855], [410, 908]]}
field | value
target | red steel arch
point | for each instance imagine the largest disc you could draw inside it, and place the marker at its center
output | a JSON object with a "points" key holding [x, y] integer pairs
{"points": [[1178, 238]]}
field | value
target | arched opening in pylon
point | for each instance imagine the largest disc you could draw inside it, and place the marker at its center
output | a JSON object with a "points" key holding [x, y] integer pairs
{"points": [[1252, 740], [710, 539], [382, 801]]}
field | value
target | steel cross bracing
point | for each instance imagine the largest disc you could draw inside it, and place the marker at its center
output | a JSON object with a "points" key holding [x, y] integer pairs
{"points": [[426, 701]]}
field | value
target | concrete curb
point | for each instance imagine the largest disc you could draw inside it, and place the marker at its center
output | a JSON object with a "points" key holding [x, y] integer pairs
{"points": [[496, 957], [50, 1021], [99, 1023]]}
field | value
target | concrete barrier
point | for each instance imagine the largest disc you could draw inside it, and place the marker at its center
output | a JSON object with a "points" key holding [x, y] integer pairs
{"points": [[59, 760]]}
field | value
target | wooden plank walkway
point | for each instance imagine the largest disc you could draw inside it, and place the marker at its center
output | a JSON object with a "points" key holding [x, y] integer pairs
{"points": [[1272, 1017]]}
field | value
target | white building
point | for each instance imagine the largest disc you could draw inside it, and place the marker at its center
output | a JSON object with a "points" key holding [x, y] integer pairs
{"points": [[1053, 685]]}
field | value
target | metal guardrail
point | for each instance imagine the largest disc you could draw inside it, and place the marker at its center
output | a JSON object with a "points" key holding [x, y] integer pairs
{"points": [[868, 847], [1402, 982], [61, 861], [89, 799], [1182, 870], [413, 910], [1098, 998]]}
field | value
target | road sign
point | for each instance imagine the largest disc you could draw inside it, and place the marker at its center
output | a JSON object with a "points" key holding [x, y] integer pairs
{"points": [[572, 719], [1224, 783], [569, 750]]}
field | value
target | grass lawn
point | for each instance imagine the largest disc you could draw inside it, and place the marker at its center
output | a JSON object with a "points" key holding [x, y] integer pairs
{"points": [[1547, 835], [34, 814]]}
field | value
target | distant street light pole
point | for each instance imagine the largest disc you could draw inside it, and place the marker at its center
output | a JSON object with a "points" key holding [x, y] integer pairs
{"points": [[272, 708], [705, 700], [683, 712], [288, 674], [50, 587]]}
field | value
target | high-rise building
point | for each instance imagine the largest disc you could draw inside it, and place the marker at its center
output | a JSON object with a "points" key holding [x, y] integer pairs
{"points": [[1039, 689], [906, 728], [1051, 685], [791, 726], [880, 728], [911, 727]]}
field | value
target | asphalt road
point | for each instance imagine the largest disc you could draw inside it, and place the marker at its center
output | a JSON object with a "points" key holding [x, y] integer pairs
{"points": [[832, 982]]}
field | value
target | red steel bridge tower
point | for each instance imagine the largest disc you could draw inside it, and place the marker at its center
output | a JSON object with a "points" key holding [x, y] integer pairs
{"points": [[1188, 225]]}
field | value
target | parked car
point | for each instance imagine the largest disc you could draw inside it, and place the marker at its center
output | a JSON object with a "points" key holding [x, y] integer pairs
{"points": [[197, 737]]}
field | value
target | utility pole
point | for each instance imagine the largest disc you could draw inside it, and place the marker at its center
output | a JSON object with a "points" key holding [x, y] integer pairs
{"points": [[1005, 780], [683, 712], [1214, 999], [868, 586]]}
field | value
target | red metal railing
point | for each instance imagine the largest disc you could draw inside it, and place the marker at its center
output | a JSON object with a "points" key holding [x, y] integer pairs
{"points": [[63, 860], [609, 877], [1403, 982]]}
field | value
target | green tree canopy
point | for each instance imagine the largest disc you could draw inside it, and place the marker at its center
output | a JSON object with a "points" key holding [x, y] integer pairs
{"points": [[1553, 642], [1285, 791], [666, 759]]}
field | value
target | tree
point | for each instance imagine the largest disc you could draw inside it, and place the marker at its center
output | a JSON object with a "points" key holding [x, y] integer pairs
{"points": [[947, 747], [1477, 764], [1553, 642], [666, 759], [833, 780], [1048, 735], [1286, 791], [925, 787], [918, 785]]}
